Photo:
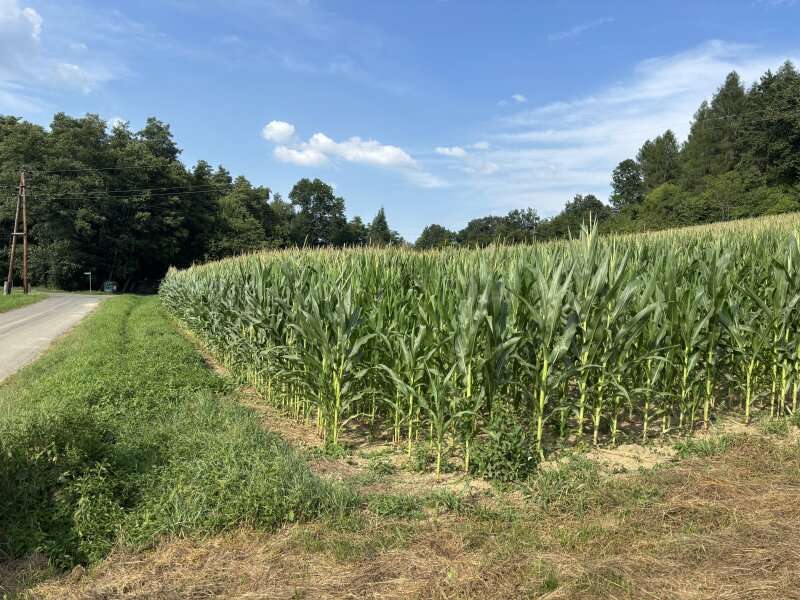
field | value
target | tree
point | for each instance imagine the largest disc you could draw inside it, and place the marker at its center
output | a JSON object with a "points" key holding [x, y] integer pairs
{"points": [[666, 206], [282, 213], [357, 233], [627, 184], [579, 211], [435, 236], [379, 232], [247, 221], [771, 130], [158, 139], [239, 230], [659, 160], [320, 217], [714, 144], [482, 231], [520, 225]]}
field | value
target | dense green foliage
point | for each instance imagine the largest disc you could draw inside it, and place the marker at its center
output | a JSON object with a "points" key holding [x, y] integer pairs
{"points": [[606, 336], [121, 204], [741, 159], [122, 434]]}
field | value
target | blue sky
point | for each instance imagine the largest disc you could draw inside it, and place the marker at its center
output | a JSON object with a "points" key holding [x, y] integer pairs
{"points": [[440, 111]]}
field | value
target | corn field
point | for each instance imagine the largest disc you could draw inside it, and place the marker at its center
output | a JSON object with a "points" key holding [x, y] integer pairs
{"points": [[596, 339]]}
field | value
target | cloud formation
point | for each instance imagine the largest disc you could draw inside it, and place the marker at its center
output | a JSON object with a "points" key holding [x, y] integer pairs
{"points": [[456, 151], [278, 131], [354, 149], [467, 162], [20, 33], [543, 155], [27, 66], [321, 149]]}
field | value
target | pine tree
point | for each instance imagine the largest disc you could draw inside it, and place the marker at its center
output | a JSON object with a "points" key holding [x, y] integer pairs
{"points": [[659, 160], [379, 232]]}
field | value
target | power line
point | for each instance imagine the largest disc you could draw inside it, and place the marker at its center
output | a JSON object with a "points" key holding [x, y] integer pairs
{"points": [[198, 188], [93, 169], [78, 196]]}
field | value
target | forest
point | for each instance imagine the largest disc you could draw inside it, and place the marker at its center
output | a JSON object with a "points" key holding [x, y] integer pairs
{"points": [[120, 203]]}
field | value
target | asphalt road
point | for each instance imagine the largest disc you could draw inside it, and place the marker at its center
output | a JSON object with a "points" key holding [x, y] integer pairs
{"points": [[27, 332]]}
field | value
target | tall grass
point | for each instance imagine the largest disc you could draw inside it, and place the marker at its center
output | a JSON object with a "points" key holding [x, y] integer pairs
{"points": [[594, 338], [121, 435]]}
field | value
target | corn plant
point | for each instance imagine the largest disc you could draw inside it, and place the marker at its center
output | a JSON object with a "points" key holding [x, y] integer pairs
{"points": [[598, 334]]}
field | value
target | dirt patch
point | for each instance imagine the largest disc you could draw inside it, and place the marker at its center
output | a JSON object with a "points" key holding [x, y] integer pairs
{"points": [[631, 457], [298, 434]]}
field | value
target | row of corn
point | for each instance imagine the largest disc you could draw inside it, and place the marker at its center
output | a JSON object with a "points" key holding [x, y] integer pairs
{"points": [[594, 338]]}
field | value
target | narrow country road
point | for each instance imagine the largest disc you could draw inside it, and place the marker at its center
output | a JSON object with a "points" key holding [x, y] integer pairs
{"points": [[26, 332]]}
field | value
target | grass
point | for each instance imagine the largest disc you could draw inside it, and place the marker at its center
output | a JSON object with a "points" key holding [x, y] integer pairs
{"points": [[121, 436], [17, 300], [708, 446], [778, 426], [727, 521]]}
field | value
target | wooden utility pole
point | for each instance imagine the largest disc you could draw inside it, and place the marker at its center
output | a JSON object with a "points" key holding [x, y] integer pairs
{"points": [[21, 208]]}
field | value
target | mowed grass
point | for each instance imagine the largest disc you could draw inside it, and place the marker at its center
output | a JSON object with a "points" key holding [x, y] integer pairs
{"points": [[17, 299], [121, 435], [723, 524]]}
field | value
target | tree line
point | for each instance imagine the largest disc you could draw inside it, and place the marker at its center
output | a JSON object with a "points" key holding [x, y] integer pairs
{"points": [[741, 159], [121, 204]]}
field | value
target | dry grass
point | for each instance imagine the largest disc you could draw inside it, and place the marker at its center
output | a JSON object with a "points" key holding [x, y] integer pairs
{"points": [[726, 526]]}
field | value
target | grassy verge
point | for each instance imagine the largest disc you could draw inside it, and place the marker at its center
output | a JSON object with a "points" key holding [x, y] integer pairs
{"points": [[18, 299], [121, 435], [723, 524]]}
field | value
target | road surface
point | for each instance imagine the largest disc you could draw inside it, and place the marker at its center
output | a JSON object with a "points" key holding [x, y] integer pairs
{"points": [[27, 332]]}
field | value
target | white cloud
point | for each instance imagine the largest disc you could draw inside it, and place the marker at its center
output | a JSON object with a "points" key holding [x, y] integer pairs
{"points": [[303, 157], [320, 149], [456, 151], [577, 30], [28, 66], [20, 34], [278, 131], [544, 155], [357, 150], [77, 76], [466, 162], [427, 180]]}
